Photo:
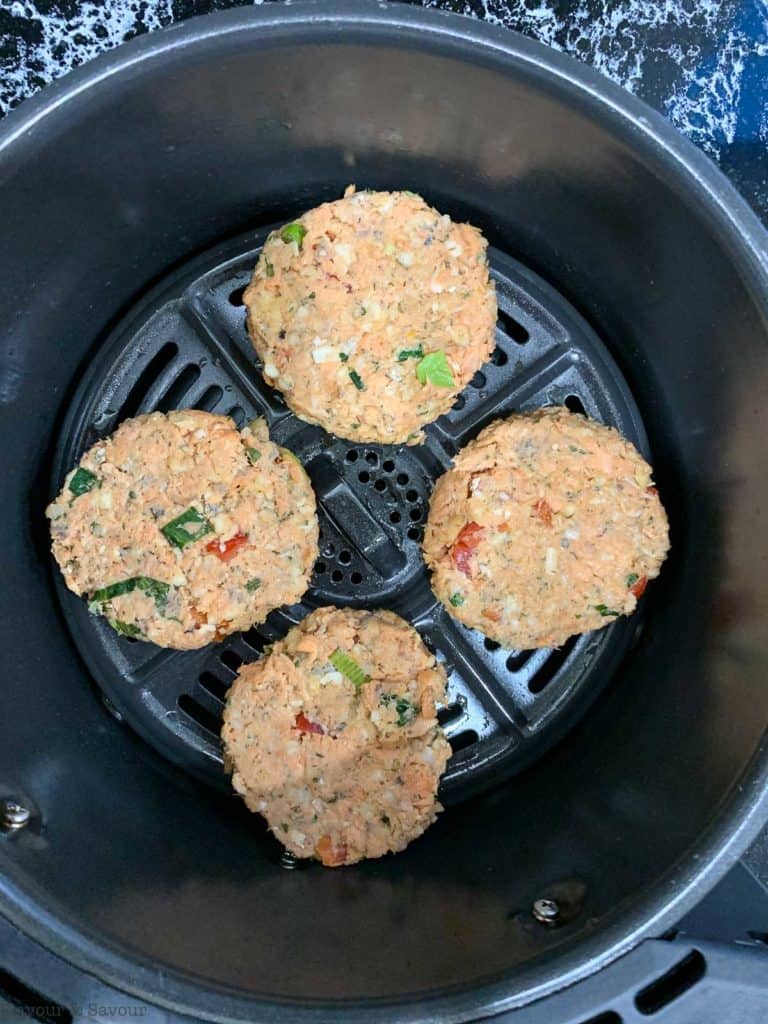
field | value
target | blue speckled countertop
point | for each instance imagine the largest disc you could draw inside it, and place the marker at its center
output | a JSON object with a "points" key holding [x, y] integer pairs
{"points": [[702, 63]]}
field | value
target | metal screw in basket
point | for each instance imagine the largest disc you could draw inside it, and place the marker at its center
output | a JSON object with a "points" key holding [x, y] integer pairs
{"points": [[13, 815]]}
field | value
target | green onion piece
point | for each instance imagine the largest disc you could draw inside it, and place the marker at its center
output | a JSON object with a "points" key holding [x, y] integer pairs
{"points": [[343, 357], [406, 711], [604, 611], [253, 455], [83, 481], [189, 526], [253, 585], [435, 369], [269, 270], [349, 668], [124, 628], [632, 579], [410, 353], [293, 233], [456, 599], [357, 380], [155, 589]]}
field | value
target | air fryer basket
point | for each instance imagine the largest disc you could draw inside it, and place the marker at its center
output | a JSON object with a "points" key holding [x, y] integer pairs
{"points": [[632, 283]]}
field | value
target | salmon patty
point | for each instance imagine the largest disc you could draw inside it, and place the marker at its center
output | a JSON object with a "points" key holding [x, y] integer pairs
{"points": [[333, 736], [180, 528], [547, 525], [372, 313]]}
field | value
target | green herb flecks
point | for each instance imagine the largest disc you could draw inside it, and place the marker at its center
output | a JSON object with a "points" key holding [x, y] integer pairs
{"points": [[434, 368], [253, 585], [269, 270], [456, 599], [410, 353], [155, 589], [253, 455], [83, 481], [406, 710], [187, 527], [124, 628], [357, 380], [349, 668], [605, 611], [343, 357], [632, 579], [293, 233]]}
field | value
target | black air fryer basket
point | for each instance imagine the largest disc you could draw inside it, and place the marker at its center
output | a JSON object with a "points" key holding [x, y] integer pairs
{"points": [[614, 779]]}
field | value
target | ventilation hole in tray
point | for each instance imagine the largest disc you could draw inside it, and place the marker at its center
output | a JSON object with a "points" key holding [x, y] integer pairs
{"points": [[154, 368], [255, 640], [478, 381], [499, 357], [462, 740], [199, 714], [345, 557], [402, 479], [459, 404], [380, 486], [551, 666], [356, 579], [209, 399], [394, 517], [575, 404], [411, 495], [517, 660], [372, 458], [175, 393], [415, 515], [670, 986], [388, 465], [320, 568], [364, 477], [337, 576], [236, 296], [237, 413], [491, 645], [214, 685], [231, 659], [414, 533], [512, 328], [352, 455], [449, 714]]}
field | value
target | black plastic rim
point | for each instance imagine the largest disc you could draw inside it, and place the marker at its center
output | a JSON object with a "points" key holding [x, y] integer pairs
{"points": [[739, 821]]}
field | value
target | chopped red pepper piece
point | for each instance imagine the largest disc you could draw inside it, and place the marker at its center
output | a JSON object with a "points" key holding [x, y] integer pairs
{"points": [[638, 589], [304, 724], [227, 549], [330, 855], [464, 547], [543, 510], [652, 490]]}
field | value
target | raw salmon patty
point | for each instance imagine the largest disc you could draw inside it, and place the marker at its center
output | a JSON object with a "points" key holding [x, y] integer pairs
{"points": [[181, 529], [372, 313], [547, 525], [333, 736]]}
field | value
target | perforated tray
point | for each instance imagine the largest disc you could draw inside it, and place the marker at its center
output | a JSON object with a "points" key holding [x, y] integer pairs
{"points": [[185, 346]]}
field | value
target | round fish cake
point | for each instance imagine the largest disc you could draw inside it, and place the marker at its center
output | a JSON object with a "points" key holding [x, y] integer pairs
{"points": [[372, 313], [333, 736], [547, 525], [180, 528]]}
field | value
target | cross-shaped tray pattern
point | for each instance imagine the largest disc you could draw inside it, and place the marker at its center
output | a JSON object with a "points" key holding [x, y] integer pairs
{"points": [[185, 346]]}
